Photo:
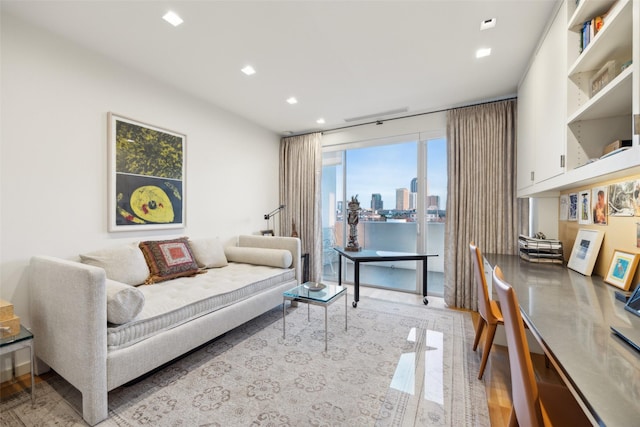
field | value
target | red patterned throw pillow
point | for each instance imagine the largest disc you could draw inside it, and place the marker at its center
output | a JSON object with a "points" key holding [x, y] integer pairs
{"points": [[168, 259]]}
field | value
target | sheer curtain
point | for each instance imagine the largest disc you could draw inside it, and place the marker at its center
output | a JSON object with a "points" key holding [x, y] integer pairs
{"points": [[481, 201], [300, 182]]}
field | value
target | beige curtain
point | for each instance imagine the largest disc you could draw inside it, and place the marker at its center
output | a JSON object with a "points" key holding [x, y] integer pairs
{"points": [[300, 181], [481, 198]]}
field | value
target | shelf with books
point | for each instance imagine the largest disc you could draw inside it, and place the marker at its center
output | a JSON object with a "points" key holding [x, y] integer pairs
{"points": [[586, 10], [601, 103], [600, 89], [613, 41]]}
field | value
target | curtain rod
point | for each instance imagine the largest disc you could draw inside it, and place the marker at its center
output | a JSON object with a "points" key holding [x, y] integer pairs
{"points": [[381, 121]]}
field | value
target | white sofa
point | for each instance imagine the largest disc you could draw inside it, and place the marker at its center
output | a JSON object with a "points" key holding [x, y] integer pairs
{"points": [[71, 303]]}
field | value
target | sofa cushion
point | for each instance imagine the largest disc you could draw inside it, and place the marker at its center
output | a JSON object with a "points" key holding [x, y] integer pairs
{"points": [[208, 253], [124, 263], [124, 302], [281, 258], [175, 302], [168, 259]]}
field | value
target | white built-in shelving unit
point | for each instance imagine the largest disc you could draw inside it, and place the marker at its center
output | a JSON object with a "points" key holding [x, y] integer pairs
{"points": [[564, 151]]}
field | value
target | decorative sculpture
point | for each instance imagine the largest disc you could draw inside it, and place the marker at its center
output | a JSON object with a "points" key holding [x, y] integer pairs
{"points": [[354, 210]]}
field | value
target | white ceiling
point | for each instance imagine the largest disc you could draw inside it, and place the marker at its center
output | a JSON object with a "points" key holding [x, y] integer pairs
{"points": [[340, 59]]}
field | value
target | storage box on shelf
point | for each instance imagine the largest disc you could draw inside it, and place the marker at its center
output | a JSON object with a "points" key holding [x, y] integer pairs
{"points": [[9, 322]]}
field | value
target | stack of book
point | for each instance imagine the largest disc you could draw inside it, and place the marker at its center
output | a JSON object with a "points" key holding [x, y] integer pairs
{"points": [[589, 30], [540, 250]]}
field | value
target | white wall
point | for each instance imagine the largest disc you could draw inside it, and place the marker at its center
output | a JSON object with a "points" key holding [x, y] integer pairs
{"points": [[53, 178]]}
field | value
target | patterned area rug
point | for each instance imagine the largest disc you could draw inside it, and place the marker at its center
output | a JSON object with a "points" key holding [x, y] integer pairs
{"points": [[396, 365]]}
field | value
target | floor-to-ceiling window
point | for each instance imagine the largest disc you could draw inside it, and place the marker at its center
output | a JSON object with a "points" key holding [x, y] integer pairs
{"points": [[401, 187]]}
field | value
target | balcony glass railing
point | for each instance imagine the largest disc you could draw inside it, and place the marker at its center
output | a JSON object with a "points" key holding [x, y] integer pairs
{"points": [[392, 237]]}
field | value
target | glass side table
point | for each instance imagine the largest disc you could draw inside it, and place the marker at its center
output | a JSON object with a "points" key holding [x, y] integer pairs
{"points": [[11, 344], [313, 293]]}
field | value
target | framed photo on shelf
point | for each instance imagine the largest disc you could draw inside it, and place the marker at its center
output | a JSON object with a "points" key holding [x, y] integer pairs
{"points": [[622, 268], [584, 207], [573, 207], [585, 250], [621, 198], [599, 200]]}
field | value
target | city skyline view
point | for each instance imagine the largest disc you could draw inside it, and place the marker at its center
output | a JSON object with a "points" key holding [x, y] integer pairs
{"points": [[385, 169]]}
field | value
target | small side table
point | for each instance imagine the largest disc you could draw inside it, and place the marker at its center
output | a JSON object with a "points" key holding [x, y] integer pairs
{"points": [[311, 295], [14, 343]]}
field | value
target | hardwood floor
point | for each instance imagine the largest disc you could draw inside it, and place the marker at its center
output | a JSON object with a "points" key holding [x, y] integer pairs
{"points": [[496, 376]]}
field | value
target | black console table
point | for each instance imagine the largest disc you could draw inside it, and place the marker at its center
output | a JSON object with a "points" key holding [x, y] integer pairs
{"points": [[368, 255]]}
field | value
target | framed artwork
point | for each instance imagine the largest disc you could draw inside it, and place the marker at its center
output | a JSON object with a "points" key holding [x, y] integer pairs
{"points": [[146, 176], [584, 207], [573, 207], [622, 268], [585, 250], [564, 207], [600, 205], [622, 198]]}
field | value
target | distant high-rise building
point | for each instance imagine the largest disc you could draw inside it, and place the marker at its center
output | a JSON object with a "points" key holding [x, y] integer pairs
{"points": [[414, 185], [413, 201], [402, 199], [376, 201], [433, 202]]}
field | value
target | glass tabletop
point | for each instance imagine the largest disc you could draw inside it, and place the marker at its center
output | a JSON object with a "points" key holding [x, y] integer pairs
{"points": [[315, 291], [23, 335]]}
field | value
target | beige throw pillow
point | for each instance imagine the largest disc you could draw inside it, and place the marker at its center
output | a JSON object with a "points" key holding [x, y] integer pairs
{"points": [[124, 263], [208, 253]]}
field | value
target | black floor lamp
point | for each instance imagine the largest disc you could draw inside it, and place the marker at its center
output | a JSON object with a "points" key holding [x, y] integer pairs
{"points": [[267, 217]]}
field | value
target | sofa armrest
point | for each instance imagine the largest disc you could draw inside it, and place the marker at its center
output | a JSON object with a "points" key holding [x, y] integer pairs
{"points": [[292, 244], [69, 322]]}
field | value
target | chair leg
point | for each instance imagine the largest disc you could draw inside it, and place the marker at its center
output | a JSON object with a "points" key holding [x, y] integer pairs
{"points": [[547, 363], [513, 421], [479, 328], [488, 342]]}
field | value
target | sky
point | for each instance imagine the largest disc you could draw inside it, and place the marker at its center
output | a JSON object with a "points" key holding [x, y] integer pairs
{"points": [[384, 169]]}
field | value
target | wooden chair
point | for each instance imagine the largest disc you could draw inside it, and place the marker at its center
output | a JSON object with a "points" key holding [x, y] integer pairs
{"points": [[534, 404], [490, 314]]}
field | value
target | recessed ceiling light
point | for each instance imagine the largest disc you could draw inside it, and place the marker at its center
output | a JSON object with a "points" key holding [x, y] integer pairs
{"points": [[172, 18], [248, 70], [488, 23], [320, 121], [292, 100], [481, 53]]}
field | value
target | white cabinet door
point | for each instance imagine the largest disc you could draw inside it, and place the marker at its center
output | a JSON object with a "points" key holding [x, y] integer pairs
{"points": [[525, 154], [551, 100]]}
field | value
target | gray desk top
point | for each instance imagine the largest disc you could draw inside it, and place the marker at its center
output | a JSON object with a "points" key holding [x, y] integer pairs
{"points": [[571, 315]]}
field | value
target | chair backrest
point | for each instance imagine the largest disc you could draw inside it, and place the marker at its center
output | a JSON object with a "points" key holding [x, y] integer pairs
{"points": [[481, 284], [524, 388]]}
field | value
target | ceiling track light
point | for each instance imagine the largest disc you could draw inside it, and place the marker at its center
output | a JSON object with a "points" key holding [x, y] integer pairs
{"points": [[292, 100]]}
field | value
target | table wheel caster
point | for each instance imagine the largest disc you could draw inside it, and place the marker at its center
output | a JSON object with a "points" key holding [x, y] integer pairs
{"points": [[425, 301], [354, 304]]}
